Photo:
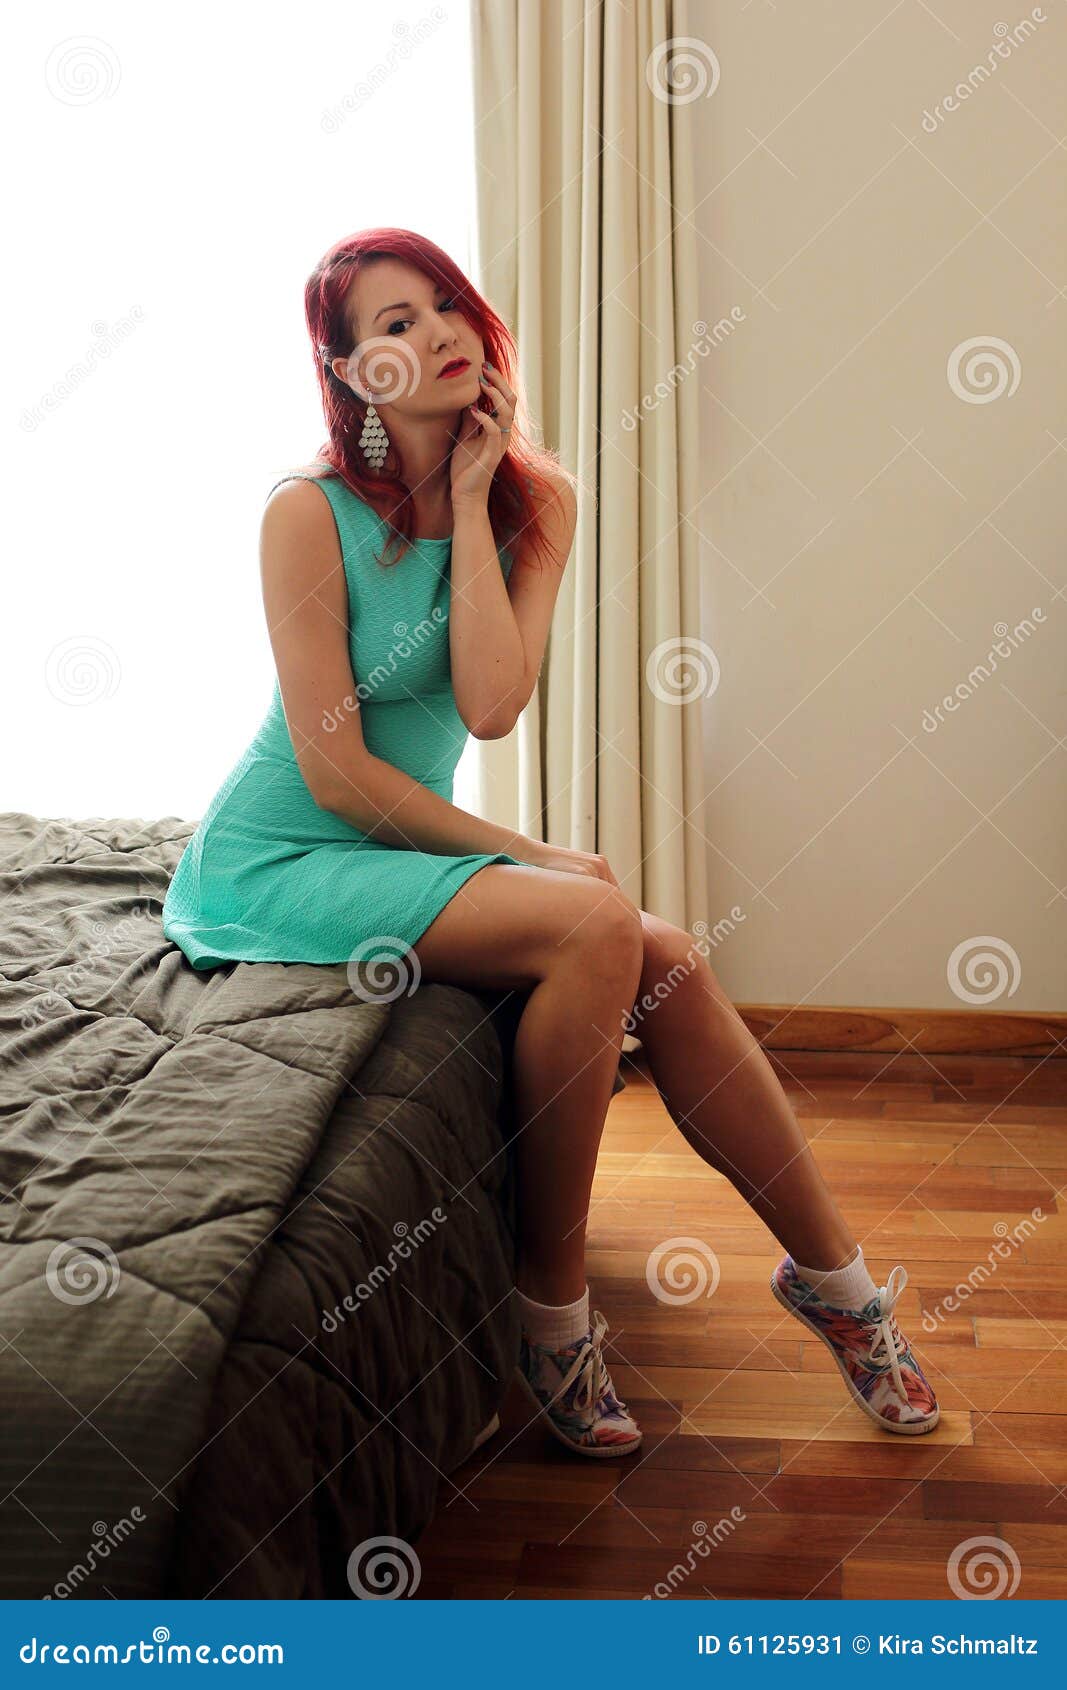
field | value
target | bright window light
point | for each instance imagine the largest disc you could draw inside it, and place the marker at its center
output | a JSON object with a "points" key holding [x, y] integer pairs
{"points": [[176, 183]]}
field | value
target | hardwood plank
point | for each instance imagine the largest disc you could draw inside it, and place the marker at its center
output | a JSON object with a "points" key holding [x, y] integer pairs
{"points": [[712, 1494], [697, 1454], [694, 1385], [894, 1536], [964, 1363], [479, 1589], [975, 1223], [915, 1459], [1038, 1303], [1041, 1544], [991, 1332], [851, 1425], [1022, 1431], [571, 1480], [1041, 1505], [992, 1111], [1013, 1151], [928, 1581], [957, 1392], [645, 1350], [631, 1573], [497, 1535]]}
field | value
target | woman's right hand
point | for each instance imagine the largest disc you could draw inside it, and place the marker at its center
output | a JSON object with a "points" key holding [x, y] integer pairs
{"points": [[565, 861]]}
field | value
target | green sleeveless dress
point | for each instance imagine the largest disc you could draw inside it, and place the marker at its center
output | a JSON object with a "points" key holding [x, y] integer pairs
{"points": [[268, 876]]}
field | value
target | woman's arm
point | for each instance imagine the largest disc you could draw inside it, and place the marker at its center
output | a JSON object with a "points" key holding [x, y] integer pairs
{"points": [[485, 646], [306, 602], [498, 630]]}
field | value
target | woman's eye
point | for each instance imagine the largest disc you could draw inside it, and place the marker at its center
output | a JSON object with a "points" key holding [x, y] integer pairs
{"points": [[401, 322]]}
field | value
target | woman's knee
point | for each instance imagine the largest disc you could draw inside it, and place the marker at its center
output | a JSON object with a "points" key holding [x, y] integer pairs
{"points": [[607, 932], [671, 955]]}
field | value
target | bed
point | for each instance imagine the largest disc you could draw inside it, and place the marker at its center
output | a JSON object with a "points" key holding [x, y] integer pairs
{"points": [[256, 1241]]}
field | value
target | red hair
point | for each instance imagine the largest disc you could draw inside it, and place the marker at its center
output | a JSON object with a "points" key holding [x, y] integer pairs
{"points": [[523, 475]]}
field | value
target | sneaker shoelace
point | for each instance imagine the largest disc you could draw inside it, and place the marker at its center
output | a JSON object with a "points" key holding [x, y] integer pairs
{"points": [[887, 1342], [588, 1371]]}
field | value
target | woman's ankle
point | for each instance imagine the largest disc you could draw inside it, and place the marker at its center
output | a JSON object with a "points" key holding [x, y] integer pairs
{"points": [[553, 1286], [554, 1325]]}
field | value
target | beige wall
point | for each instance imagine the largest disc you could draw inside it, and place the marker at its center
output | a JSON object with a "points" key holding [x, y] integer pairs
{"points": [[867, 527]]}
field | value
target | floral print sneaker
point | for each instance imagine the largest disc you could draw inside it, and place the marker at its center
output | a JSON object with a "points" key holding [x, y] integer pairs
{"points": [[573, 1391], [875, 1360]]}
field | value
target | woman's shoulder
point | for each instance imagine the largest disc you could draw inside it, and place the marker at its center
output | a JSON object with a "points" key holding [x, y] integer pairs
{"points": [[556, 504], [293, 489], [555, 488], [300, 474], [556, 501], [315, 497]]}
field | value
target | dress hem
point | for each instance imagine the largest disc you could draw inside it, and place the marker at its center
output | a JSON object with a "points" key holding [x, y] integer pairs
{"points": [[191, 938]]}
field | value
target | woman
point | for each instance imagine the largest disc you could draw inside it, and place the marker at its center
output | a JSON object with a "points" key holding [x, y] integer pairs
{"points": [[400, 623]]}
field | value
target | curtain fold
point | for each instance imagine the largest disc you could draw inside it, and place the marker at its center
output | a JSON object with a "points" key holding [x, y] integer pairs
{"points": [[585, 247]]}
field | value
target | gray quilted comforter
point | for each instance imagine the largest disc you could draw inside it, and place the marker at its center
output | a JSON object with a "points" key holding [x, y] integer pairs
{"points": [[256, 1242]]}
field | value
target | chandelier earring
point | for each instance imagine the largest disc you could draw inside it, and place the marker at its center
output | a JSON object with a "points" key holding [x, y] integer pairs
{"points": [[373, 441]]}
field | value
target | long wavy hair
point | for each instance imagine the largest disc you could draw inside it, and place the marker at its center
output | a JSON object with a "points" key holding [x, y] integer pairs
{"points": [[522, 476]]}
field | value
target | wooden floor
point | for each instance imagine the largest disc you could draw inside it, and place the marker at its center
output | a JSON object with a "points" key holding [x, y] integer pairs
{"points": [[935, 1162]]}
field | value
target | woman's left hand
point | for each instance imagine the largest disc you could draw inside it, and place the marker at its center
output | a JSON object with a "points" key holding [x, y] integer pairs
{"points": [[482, 440]]}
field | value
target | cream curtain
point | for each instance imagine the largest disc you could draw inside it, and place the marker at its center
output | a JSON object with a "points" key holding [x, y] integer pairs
{"points": [[584, 183]]}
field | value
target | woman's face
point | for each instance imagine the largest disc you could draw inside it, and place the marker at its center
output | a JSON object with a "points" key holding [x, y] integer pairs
{"points": [[408, 330]]}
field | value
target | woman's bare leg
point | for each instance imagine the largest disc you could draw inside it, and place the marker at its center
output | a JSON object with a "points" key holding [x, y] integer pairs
{"points": [[726, 1099], [576, 945]]}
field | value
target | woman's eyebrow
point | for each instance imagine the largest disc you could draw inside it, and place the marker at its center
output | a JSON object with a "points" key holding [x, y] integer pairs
{"points": [[401, 305]]}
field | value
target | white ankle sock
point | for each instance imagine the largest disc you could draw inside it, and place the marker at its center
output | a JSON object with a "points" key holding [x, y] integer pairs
{"points": [[554, 1326], [848, 1287]]}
